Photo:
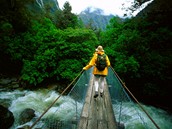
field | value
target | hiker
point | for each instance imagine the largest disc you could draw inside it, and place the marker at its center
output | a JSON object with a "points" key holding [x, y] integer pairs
{"points": [[100, 70]]}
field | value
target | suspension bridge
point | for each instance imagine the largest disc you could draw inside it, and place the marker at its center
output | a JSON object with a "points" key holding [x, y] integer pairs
{"points": [[114, 110]]}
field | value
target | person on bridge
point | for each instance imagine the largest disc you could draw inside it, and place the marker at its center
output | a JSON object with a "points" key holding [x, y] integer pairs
{"points": [[99, 74]]}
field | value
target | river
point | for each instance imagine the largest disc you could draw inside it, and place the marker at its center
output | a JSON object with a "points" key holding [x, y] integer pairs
{"points": [[39, 100]]}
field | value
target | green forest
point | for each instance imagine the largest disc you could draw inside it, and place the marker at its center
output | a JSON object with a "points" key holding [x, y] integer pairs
{"points": [[42, 46]]}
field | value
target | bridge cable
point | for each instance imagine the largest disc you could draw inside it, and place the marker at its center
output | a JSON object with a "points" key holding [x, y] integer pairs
{"points": [[55, 100], [123, 84]]}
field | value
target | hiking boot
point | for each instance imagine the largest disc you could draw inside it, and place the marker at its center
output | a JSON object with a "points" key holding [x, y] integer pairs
{"points": [[101, 94], [96, 94]]}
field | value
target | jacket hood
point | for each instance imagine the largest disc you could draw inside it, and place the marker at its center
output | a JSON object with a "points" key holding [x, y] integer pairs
{"points": [[100, 52]]}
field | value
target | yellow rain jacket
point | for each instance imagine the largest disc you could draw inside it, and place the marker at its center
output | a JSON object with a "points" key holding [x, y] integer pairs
{"points": [[93, 63]]}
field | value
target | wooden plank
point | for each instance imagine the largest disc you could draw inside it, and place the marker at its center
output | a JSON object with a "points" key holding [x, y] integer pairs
{"points": [[83, 123], [109, 110], [102, 122], [87, 100], [86, 107], [97, 113], [85, 110], [92, 122]]}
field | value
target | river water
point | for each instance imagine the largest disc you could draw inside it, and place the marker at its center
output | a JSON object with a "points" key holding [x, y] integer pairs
{"points": [[41, 99]]}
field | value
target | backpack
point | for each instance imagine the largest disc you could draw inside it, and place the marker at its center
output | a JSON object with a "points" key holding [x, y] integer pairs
{"points": [[101, 62]]}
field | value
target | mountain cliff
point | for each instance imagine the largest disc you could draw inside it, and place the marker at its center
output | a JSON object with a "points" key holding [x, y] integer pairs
{"points": [[53, 3], [95, 19]]}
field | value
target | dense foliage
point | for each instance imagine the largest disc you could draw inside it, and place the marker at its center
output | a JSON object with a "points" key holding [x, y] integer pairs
{"points": [[48, 50], [56, 47], [140, 51]]}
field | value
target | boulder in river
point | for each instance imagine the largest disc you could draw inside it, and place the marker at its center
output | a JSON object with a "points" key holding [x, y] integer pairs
{"points": [[7, 118], [26, 115]]}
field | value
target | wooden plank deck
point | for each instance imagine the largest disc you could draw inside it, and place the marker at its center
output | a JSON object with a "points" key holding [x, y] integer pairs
{"points": [[97, 113]]}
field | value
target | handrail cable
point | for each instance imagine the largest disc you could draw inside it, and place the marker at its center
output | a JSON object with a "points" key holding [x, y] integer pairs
{"points": [[123, 84], [55, 100]]}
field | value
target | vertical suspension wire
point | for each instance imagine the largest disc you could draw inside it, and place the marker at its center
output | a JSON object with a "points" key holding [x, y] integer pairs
{"points": [[77, 94], [123, 84], [120, 111], [55, 100], [76, 111]]}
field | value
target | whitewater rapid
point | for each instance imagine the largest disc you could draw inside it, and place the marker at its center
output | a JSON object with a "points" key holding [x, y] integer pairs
{"points": [[65, 109]]}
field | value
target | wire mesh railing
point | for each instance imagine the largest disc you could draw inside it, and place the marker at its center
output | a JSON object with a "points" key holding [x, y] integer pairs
{"points": [[126, 112], [70, 112]]}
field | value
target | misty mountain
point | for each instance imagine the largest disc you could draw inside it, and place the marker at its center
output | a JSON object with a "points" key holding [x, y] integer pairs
{"points": [[91, 17], [95, 19]]}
